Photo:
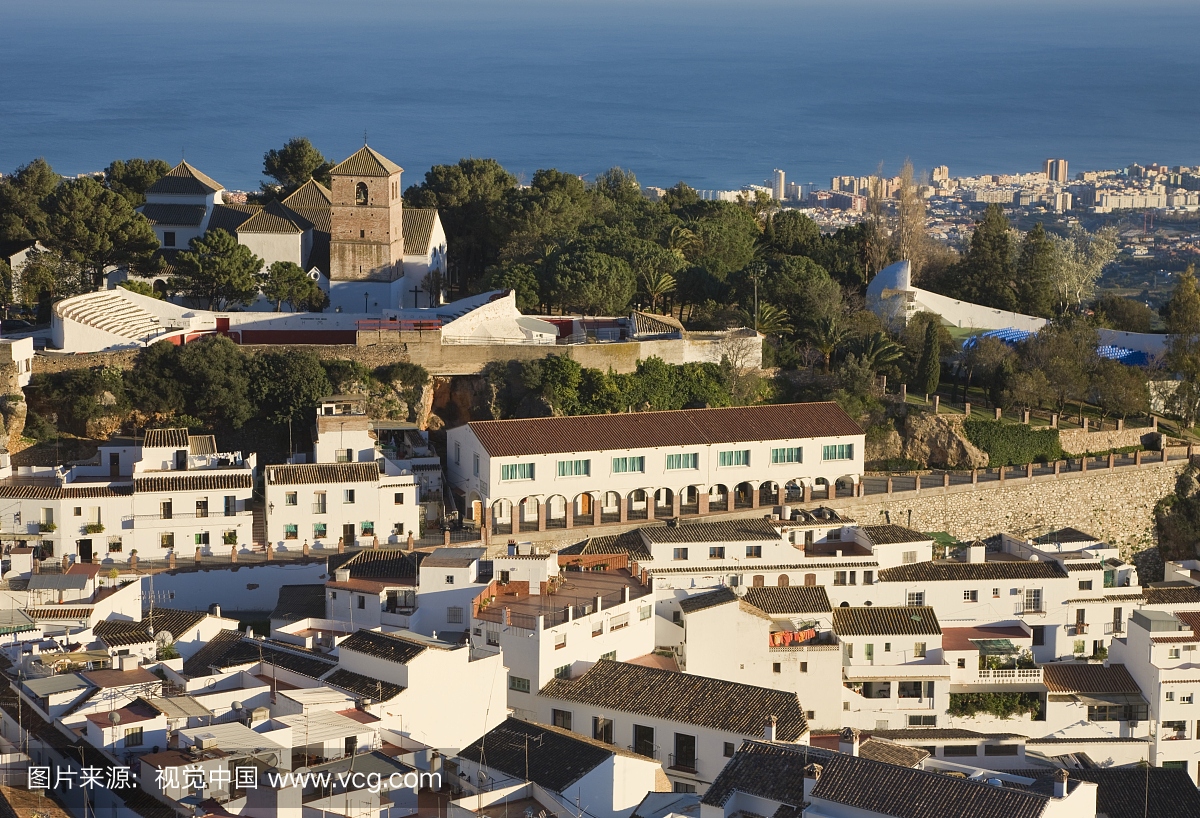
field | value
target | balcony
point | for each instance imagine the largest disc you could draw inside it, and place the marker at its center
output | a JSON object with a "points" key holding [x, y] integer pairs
{"points": [[1078, 629], [151, 520], [1019, 675], [682, 764], [1029, 609]]}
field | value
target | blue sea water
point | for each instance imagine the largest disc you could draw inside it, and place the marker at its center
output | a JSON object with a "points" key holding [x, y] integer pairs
{"points": [[714, 93]]}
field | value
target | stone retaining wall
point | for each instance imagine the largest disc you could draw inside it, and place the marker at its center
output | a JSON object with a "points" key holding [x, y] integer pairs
{"points": [[1076, 441]]}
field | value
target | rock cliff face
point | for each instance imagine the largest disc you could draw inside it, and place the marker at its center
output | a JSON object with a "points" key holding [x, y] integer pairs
{"points": [[13, 412], [939, 441]]}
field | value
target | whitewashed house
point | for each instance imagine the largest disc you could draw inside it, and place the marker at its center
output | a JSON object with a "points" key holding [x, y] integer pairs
{"points": [[562, 472]]}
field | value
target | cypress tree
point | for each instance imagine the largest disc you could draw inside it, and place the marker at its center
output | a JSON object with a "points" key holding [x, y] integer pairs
{"points": [[1035, 274], [929, 368]]}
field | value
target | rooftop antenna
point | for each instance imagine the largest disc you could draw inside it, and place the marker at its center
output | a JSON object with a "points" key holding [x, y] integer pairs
{"points": [[364, 136]]}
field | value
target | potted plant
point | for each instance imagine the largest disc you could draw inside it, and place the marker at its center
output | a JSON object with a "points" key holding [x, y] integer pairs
{"points": [[47, 528], [94, 528]]}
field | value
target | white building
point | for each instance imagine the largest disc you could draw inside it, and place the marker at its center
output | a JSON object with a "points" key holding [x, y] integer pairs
{"points": [[560, 472]]}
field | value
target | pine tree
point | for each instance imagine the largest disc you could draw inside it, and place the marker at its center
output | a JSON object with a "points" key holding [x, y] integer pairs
{"points": [[1035, 274], [986, 274]]}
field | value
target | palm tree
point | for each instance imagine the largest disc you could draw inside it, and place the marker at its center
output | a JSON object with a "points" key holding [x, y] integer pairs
{"points": [[826, 335], [658, 284], [772, 320], [680, 240], [878, 351]]}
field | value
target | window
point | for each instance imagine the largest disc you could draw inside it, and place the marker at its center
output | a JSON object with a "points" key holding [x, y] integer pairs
{"points": [[676, 617], [868, 577], [1000, 749], [201, 538], [690, 460], [776, 667], [919, 650], [168, 238], [320, 531], [838, 451], [1174, 765], [804, 667], [475, 464], [319, 503], [680, 553], [165, 510], [728, 752], [612, 654], [960, 750], [133, 737], [1172, 653], [887, 647], [561, 718], [1170, 695], [1033, 599], [290, 531], [621, 465], [916, 598], [368, 528], [602, 729], [517, 471], [1039, 635], [1079, 646], [909, 557], [457, 454], [685, 752], [598, 628], [794, 454], [645, 612], [839, 577], [347, 495], [849, 650], [290, 499], [754, 551], [230, 505], [398, 498], [922, 721], [563, 672], [737, 457], [362, 603], [1085, 585], [680, 787], [360, 194], [560, 641], [643, 741], [995, 593], [166, 539], [449, 579], [574, 468], [454, 615], [114, 544], [1117, 712], [970, 596], [716, 552], [618, 622], [962, 663], [78, 512], [202, 508]]}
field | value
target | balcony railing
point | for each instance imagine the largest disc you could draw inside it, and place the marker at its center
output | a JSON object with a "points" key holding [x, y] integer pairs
{"points": [[1079, 629], [684, 764], [137, 520], [1018, 675], [1024, 609]]}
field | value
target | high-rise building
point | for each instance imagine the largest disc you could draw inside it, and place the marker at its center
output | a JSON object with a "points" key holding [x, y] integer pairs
{"points": [[941, 173], [778, 187], [1056, 170]]}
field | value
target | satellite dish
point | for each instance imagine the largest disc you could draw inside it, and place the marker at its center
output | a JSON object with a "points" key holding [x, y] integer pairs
{"points": [[164, 639], [236, 705], [739, 590], [114, 717]]}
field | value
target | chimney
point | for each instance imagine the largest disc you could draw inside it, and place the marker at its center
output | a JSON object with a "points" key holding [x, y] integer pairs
{"points": [[342, 575], [976, 552], [848, 741], [811, 773], [214, 609], [1060, 784], [769, 729]]}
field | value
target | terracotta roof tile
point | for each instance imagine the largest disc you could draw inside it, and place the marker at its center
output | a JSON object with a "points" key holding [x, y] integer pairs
{"points": [[1068, 677], [184, 180], [893, 534], [682, 427], [365, 162], [383, 646], [364, 687], [891, 753], [41, 491], [1172, 596], [193, 481], [795, 599], [751, 530], [310, 194], [683, 697], [914, 620], [960, 571], [230, 217], [647, 323], [322, 473], [1135, 792], [274, 218], [630, 543], [417, 225], [166, 439]]}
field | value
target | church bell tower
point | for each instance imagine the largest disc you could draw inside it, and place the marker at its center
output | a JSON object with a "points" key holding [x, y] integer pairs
{"points": [[366, 241]]}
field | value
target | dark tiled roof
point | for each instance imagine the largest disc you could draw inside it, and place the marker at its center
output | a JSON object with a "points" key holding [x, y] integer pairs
{"points": [[554, 758], [771, 771], [323, 473], [711, 599], [274, 218], [230, 649], [382, 646], [683, 697], [230, 217], [195, 481], [311, 194], [1189, 595], [417, 225], [630, 543], [385, 563], [914, 620], [168, 620], [365, 162], [202, 444], [174, 214], [968, 571], [682, 427], [939, 734], [1082, 565], [1135, 792], [1068, 677], [365, 687], [1087, 740], [296, 602], [184, 180], [798, 565], [38, 491], [166, 439], [888, 789], [893, 534], [752, 530], [795, 599], [891, 753], [1066, 535]]}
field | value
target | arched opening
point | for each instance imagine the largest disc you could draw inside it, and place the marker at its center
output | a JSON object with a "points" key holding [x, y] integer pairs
{"points": [[610, 507], [689, 500], [718, 498], [556, 511], [768, 493], [160, 287], [758, 581], [360, 194], [502, 522], [664, 503], [743, 495], [810, 579], [793, 492], [529, 511], [846, 485], [784, 581], [585, 510], [820, 484], [844, 605], [638, 509]]}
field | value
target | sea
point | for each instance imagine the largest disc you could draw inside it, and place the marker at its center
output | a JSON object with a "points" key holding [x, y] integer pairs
{"points": [[716, 94]]}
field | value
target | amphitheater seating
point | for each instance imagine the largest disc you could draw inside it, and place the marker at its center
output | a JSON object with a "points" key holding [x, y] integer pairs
{"points": [[111, 312]]}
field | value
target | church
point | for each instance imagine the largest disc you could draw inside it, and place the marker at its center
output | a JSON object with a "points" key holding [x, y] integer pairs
{"points": [[355, 238]]}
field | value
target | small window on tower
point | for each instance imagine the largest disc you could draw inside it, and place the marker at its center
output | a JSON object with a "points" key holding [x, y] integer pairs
{"points": [[362, 234], [360, 194]]}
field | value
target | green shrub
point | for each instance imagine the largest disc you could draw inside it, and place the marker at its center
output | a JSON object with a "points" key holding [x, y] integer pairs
{"points": [[1000, 705], [1013, 444]]}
